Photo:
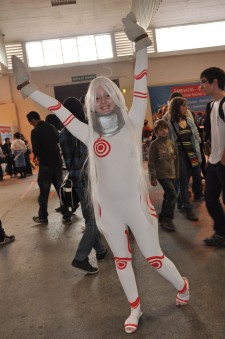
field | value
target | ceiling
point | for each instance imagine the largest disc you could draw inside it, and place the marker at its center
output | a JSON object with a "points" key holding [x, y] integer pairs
{"points": [[26, 20]]}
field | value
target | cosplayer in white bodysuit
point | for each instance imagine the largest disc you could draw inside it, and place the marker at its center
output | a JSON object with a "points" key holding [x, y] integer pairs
{"points": [[118, 191]]}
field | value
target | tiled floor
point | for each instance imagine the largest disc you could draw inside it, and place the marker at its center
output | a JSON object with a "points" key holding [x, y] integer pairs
{"points": [[43, 296]]}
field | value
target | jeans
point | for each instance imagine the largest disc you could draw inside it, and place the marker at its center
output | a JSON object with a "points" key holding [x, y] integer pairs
{"points": [[185, 172], [196, 182], [91, 237], [47, 176], [215, 185], [169, 198], [11, 168]]}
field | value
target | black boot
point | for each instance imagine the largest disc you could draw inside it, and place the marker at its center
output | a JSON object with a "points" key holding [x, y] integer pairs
{"points": [[5, 239]]}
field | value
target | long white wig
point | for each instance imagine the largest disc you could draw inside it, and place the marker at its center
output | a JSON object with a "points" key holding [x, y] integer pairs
{"points": [[90, 102]]}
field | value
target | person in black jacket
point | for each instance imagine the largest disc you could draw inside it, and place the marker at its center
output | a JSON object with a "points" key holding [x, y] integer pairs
{"points": [[44, 139], [75, 155]]}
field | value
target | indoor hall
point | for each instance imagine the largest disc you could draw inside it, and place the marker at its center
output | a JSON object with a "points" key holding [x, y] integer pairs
{"points": [[43, 296]]}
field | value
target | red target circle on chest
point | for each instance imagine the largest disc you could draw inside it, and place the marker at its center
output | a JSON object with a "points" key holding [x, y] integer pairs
{"points": [[102, 148]]}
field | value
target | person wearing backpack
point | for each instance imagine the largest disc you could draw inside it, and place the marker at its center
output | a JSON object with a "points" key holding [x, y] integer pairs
{"points": [[75, 156], [212, 83], [44, 139]]}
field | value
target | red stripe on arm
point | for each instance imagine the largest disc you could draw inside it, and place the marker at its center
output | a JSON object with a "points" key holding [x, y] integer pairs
{"points": [[141, 95], [68, 120], [141, 74], [56, 107]]}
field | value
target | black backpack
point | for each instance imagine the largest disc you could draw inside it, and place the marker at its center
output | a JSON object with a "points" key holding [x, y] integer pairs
{"points": [[207, 122], [67, 194]]}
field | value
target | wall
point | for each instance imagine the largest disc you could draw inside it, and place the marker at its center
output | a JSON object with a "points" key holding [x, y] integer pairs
{"points": [[5, 89], [182, 68], [162, 70]]}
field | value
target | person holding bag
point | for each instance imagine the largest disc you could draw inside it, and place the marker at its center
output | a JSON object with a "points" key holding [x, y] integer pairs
{"points": [[75, 155], [184, 133]]}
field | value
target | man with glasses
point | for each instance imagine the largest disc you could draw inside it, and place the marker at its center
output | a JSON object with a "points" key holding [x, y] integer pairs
{"points": [[213, 82]]}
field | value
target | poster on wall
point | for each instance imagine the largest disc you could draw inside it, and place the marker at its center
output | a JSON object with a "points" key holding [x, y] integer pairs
{"points": [[5, 132], [195, 96]]}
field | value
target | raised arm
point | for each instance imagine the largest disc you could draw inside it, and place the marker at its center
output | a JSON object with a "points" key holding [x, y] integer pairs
{"points": [[76, 127], [138, 35]]}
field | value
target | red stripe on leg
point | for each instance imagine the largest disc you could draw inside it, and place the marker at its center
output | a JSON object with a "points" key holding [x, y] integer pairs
{"points": [[135, 303], [184, 289]]}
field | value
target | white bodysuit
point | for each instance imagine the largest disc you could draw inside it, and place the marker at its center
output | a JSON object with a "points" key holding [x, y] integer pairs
{"points": [[119, 195]]}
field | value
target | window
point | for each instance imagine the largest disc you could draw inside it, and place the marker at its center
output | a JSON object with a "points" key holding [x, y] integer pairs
{"points": [[52, 52], [104, 46], [35, 55], [116, 45], [190, 37], [86, 48], [70, 50]]}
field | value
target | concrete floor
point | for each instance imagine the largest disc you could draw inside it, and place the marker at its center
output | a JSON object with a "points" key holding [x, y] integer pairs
{"points": [[43, 296]]}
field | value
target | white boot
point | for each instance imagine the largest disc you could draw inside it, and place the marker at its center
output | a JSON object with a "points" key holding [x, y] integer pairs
{"points": [[22, 76], [183, 296], [131, 324]]}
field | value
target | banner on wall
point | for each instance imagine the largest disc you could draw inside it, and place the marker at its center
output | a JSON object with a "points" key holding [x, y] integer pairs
{"points": [[195, 96], [5, 132]]}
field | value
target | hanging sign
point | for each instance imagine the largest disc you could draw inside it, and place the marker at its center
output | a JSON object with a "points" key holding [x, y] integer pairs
{"points": [[83, 77]]}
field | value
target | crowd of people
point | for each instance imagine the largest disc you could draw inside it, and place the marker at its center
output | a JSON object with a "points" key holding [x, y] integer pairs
{"points": [[111, 186], [16, 157]]}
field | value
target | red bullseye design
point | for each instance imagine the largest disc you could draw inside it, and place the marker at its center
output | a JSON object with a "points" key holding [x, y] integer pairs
{"points": [[121, 264], [156, 261], [102, 148]]}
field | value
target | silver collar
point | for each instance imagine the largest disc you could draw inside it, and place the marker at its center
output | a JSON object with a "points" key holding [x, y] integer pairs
{"points": [[108, 124]]}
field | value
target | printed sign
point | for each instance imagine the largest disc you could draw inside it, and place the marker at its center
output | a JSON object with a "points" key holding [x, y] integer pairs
{"points": [[83, 77], [195, 96]]}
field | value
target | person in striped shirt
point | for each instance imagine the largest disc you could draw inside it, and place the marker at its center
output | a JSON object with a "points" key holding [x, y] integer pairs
{"points": [[184, 133]]}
